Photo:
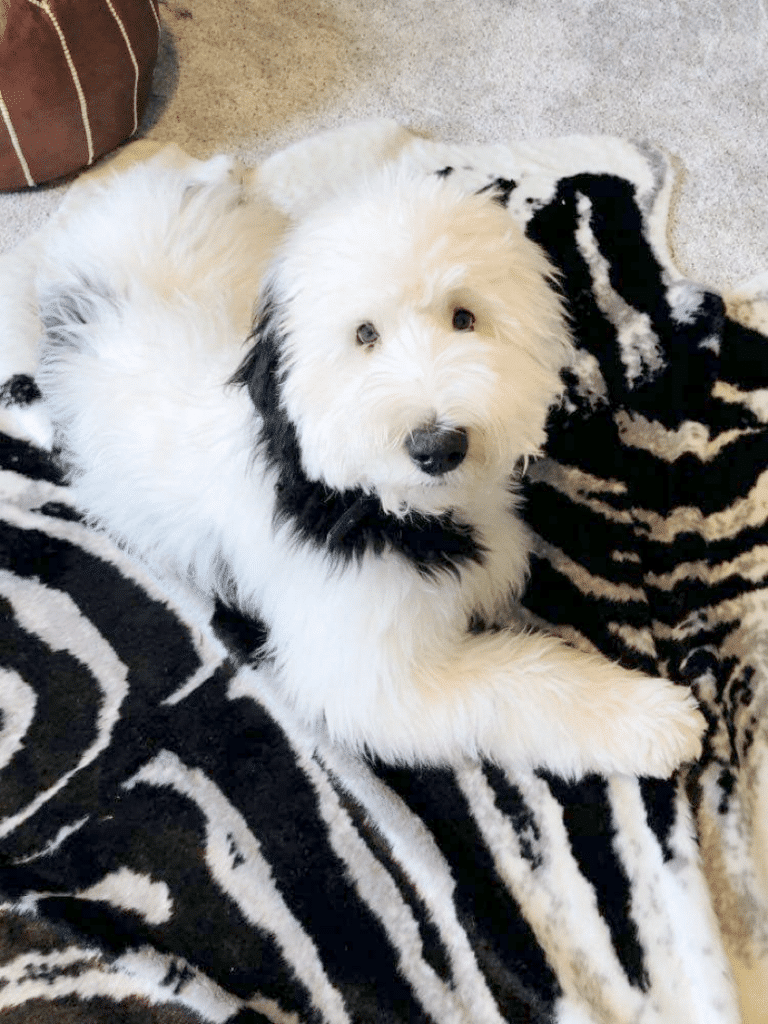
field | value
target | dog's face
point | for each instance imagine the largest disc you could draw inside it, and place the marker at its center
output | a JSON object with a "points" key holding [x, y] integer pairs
{"points": [[417, 342]]}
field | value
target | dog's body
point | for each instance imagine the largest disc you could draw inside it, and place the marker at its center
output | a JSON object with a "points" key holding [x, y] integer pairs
{"points": [[348, 481]]}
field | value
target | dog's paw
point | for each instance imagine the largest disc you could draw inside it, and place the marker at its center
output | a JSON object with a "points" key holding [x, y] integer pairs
{"points": [[662, 729]]}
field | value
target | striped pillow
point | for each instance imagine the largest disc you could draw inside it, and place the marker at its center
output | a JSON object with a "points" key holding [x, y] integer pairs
{"points": [[75, 76]]}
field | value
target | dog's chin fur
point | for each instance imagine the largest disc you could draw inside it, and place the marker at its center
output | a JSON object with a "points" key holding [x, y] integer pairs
{"points": [[278, 476]]}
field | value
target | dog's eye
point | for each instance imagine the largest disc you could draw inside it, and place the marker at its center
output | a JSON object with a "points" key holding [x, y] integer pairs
{"points": [[463, 319], [367, 335]]}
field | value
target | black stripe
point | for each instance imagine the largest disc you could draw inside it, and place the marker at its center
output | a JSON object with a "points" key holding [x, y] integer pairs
{"points": [[589, 440], [554, 227], [553, 597], [64, 723], [589, 822], [25, 458], [743, 359], [156, 831], [145, 634], [663, 556], [689, 595], [661, 809], [247, 1015], [59, 510], [709, 486], [572, 527], [511, 959], [258, 771], [512, 805]]}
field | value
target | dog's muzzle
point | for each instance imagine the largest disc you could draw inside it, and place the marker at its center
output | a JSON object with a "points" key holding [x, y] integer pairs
{"points": [[437, 450]]}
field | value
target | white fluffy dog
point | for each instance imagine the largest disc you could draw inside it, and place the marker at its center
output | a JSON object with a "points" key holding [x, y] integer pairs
{"points": [[346, 477]]}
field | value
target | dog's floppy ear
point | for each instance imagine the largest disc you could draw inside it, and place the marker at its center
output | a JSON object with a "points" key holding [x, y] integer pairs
{"points": [[261, 371]]}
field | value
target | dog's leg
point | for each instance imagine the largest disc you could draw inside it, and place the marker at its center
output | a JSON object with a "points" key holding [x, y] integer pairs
{"points": [[529, 700]]}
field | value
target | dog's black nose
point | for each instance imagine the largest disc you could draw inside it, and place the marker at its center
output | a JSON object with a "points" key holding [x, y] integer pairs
{"points": [[437, 450]]}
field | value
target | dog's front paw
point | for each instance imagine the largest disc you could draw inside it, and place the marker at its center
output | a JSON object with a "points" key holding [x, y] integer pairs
{"points": [[662, 729]]}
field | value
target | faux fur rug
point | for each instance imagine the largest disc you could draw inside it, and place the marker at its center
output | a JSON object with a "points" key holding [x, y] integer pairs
{"points": [[173, 850]]}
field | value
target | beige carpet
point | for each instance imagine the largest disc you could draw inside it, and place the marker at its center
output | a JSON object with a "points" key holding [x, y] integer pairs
{"points": [[690, 76]]}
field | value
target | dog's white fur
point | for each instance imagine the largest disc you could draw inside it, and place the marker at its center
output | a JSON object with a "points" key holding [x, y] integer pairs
{"points": [[148, 291]]}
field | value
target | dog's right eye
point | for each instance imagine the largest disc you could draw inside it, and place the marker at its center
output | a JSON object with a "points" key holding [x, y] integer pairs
{"points": [[463, 319], [367, 335]]}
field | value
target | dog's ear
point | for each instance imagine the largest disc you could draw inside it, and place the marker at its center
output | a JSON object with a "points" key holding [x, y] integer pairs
{"points": [[261, 370]]}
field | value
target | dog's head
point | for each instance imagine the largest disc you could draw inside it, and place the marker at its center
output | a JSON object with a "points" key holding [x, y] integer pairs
{"points": [[409, 344]]}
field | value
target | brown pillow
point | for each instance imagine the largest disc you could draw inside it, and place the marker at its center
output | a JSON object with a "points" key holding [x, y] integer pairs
{"points": [[74, 79]]}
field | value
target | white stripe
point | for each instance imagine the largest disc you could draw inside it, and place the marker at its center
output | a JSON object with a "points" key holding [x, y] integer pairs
{"points": [[667, 445], [149, 972], [17, 712], [751, 565], [725, 524], [132, 55], [132, 890], [45, 6], [15, 141], [53, 845], [582, 488], [81, 973]]}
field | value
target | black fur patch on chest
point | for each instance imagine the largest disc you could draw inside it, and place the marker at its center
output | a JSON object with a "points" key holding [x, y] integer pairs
{"points": [[346, 524]]}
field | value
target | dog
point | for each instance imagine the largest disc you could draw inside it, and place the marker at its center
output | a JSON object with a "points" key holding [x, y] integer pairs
{"points": [[340, 463]]}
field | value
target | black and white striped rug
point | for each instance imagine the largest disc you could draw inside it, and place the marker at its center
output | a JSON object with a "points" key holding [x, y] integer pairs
{"points": [[171, 849]]}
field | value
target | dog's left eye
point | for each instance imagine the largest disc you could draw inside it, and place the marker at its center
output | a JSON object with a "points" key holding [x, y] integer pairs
{"points": [[463, 319], [367, 335]]}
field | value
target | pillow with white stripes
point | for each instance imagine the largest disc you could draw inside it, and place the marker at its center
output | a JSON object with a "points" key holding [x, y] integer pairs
{"points": [[74, 80]]}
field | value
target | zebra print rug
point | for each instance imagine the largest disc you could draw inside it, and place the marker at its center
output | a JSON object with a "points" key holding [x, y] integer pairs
{"points": [[174, 850]]}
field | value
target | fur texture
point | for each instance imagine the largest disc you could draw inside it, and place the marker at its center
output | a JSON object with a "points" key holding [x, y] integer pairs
{"points": [[346, 477]]}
